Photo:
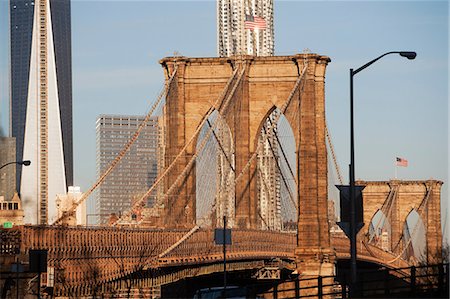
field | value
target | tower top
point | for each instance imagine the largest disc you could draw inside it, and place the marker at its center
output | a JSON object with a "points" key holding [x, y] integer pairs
{"points": [[245, 28]]}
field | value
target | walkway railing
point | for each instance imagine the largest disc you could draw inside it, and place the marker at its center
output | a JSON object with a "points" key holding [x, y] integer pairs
{"points": [[430, 281]]}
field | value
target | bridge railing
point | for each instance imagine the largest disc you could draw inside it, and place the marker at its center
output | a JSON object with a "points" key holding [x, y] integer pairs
{"points": [[245, 243], [83, 255], [366, 252], [423, 281]]}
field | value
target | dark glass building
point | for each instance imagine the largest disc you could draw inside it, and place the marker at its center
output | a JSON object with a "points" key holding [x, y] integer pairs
{"points": [[21, 20]]}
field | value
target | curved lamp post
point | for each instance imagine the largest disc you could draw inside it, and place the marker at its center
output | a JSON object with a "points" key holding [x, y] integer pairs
{"points": [[25, 163], [353, 224]]}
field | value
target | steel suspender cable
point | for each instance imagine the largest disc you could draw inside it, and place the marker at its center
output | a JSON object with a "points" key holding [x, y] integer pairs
{"points": [[202, 221], [122, 153]]}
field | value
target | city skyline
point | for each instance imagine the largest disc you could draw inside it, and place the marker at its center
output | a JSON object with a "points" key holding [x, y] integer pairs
{"points": [[399, 103]]}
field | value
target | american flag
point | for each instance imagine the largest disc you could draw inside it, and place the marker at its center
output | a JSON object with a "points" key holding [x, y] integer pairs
{"points": [[254, 22], [401, 162]]}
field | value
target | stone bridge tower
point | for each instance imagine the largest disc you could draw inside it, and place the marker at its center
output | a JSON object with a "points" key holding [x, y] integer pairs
{"points": [[266, 84], [397, 199]]}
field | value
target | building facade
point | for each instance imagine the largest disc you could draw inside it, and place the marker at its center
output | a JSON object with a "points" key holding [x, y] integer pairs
{"points": [[11, 212], [135, 173], [245, 27], [8, 173], [41, 103], [64, 203], [24, 31], [268, 180]]}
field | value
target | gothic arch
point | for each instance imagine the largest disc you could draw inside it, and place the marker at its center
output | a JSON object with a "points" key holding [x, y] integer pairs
{"points": [[276, 172], [215, 172], [379, 232]]}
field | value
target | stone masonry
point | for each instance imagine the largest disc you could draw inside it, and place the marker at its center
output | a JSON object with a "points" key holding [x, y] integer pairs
{"points": [[266, 84]]}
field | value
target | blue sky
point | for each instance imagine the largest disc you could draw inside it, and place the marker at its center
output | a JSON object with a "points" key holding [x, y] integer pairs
{"points": [[401, 106]]}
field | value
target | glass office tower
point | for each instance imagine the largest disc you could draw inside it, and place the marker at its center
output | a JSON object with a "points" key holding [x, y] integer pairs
{"points": [[135, 173]]}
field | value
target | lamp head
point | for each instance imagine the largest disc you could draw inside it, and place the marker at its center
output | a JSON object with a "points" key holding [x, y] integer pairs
{"points": [[409, 55], [26, 162]]}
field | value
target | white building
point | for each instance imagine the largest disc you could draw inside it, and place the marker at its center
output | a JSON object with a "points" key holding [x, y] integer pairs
{"points": [[64, 203], [245, 27], [268, 180], [43, 144]]}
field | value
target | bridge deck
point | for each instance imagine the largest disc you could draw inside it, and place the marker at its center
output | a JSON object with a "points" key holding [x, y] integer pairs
{"points": [[85, 256]]}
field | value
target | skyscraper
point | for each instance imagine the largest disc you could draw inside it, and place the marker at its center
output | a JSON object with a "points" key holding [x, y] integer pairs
{"points": [[245, 27], [268, 178], [41, 102], [135, 173]]}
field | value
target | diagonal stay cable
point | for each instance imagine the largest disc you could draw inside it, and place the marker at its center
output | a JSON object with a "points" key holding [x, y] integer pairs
{"points": [[291, 197], [283, 110], [206, 217], [282, 149], [386, 210], [333, 154], [191, 162], [221, 146], [122, 153], [424, 202], [219, 100]]}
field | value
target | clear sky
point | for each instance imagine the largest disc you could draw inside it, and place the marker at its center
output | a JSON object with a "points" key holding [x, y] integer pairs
{"points": [[401, 106]]}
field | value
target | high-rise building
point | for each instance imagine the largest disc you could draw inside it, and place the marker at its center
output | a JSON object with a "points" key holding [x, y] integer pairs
{"points": [[135, 173], [268, 178], [41, 102], [245, 27]]}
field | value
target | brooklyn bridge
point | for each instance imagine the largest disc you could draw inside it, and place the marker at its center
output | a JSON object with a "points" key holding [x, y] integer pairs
{"points": [[225, 121]]}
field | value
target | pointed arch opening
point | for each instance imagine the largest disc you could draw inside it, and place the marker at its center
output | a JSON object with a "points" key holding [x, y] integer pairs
{"points": [[215, 173], [276, 174], [380, 231], [414, 237]]}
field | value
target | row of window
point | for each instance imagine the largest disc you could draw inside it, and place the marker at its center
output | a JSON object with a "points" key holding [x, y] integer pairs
{"points": [[9, 206]]}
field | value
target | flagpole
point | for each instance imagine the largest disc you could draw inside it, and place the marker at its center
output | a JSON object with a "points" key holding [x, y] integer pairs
{"points": [[395, 167]]}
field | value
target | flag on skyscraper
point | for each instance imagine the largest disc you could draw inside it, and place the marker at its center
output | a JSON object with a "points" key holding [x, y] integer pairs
{"points": [[254, 22], [401, 162]]}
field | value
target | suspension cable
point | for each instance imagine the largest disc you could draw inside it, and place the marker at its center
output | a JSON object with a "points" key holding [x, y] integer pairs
{"points": [[202, 221], [282, 151], [140, 202], [333, 154], [122, 153], [291, 197], [424, 202], [386, 209]]}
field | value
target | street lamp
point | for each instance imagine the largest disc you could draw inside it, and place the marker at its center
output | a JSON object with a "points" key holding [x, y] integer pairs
{"points": [[25, 163], [353, 224]]}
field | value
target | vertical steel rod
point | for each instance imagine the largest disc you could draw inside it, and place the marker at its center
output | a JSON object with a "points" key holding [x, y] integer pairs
{"points": [[224, 257], [17, 277], [353, 266]]}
